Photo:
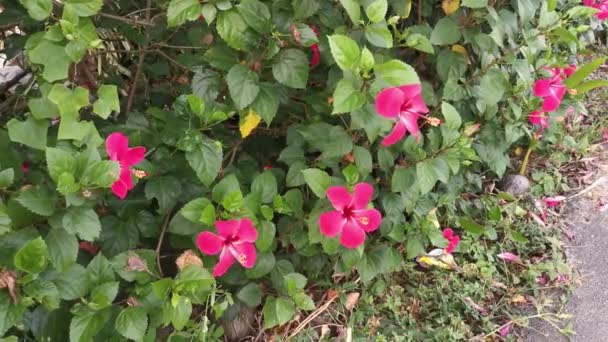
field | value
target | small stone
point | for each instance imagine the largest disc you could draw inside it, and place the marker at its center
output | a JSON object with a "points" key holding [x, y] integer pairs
{"points": [[237, 322], [516, 185]]}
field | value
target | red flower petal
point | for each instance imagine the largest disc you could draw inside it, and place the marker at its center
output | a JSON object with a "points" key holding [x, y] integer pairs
{"points": [[389, 102], [226, 260], [448, 233], [247, 232], [396, 134], [410, 120], [331, 223], [339, 197], [125, 178], [550, 103], [362, 194], [117, 144], [352, 235], [119, 189], [368, 219], [542, 88], [227, 229], [245, 254], [133, 156], [209, 243]]}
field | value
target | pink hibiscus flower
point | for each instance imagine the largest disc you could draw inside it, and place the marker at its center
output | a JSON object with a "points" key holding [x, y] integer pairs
{"points": [[600, 5], [351, 217], [551, 90], [453, 240], [539, 118], [234, 242], [314, 48], [552, 202], [405, 104], [117, 146]]}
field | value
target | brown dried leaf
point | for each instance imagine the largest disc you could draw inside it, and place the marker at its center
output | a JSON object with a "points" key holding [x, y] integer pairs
{"points": [[8, 279], [187, 258], [351, 300], [136, 263]]}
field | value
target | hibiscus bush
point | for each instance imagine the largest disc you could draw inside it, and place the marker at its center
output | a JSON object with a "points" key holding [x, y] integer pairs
{"points": [[169, 166]]}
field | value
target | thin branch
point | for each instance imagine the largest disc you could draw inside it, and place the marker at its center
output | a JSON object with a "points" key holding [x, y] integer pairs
{"points": [[160, 243], [173, 61], [140, 62], [126, 20]]}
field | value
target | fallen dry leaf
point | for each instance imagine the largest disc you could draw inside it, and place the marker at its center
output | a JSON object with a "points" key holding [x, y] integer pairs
{"points": [[519, 299], [351, 300], [8, 280], [187, 258], [136, 263], [469, 301]]}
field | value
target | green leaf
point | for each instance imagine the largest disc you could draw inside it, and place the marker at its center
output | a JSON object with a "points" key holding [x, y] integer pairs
{"points": [[451, 116], [294, 282], [266, 234], [367, 60], [82, 221], [376, 11], [30, 132], [471, 226], [475, 3], [166, 190], [73, 283], [278, 311], [52, 57], [38, 200], [101, 173], [209, 12], [231, 27], [38, 9], [426, 176], [379, 35], [353, 9], [250, 294], [446, 32], [132, 323], [586, 86], [83, 8], [420, 43], [192, 279], [267, 103], [44, 292], [581, 73], [256, 14], [264, 264], [59, 162], [345, 51], [181, 11], [317, 180], [177, 311], [32, 257], [303, 301], [6, 178], [290, 68], [193, 209], [305, 8], [492, 87], [103, 295], [76, 50], [363, 160], [243, 85], [224, 188], [63, 249], [206, 161], [265, 185], [107, 101], [346, 97], [87, 323], [396, 73], [69, 102]]}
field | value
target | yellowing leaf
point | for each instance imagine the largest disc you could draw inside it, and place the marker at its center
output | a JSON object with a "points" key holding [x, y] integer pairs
{"points": [[459, 49], [249, 123], [450, 6]]}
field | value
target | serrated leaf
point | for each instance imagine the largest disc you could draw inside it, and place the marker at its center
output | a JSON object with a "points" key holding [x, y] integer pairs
{"points": [[107, 101], [291, 68], [132, 322], [347, 98], [205, 160], [317, 180], [32, 257], [63, 248], [426, 176], [82, 221], [243, 85], [38, 9], [38, 200], [181, 11], [345, 51]]}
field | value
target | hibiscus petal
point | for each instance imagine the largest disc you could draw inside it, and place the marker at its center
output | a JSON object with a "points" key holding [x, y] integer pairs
{"points": [[558, 90], [396, 134], [247, 231], [245, 254], [339, 197], [362, 194], [410, 90], [551, 103], [368, 219], [134, 156], [125, 177], [508, 256], [227, 229], [410, 120], [352, 235], [417, 105], [542, 88], [226, 260], [389, 102], [117, 145], [448, 233], [119, 189], [209, 243], [331, 223]]}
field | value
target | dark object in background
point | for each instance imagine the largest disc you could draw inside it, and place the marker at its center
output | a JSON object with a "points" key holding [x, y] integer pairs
{"points": [[516, 185], [237, 322]]}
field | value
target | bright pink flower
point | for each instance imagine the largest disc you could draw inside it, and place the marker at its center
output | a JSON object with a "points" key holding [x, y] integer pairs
{"points": [[314, 48], [453, 240], [508, 256], [117, 146], [405, 104], [551, 90], [505, 330], [539, 118], [600, 5], [351, 218], [553, 201], [569, 70], [234, 242]]}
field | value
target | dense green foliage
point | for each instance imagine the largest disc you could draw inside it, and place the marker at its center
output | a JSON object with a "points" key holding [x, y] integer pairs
{"points": [[253, 109]]}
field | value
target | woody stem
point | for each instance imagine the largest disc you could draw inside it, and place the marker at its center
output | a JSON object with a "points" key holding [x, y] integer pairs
{"points": [[524, 164]]}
